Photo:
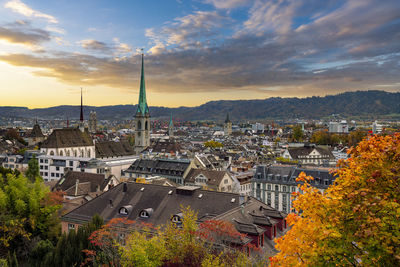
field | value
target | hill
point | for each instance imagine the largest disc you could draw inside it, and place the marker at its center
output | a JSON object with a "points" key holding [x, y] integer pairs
{"points": [[349, 104]]}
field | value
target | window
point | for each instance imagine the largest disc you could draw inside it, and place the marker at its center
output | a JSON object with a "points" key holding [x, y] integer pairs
{"points": [[276, 201], [71, 226], [46, 167], [41, 167], [276, 188], [71, 163], [41, 160], [269, 187], [57, 168], [225, 181], [51, 153], [61, 153], [144, 214], [284, 188], [139, 125], [46, 161], [269, 199], [52, 174]]}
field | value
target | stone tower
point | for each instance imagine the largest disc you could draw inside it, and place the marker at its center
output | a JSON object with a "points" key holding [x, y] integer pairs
{"points": [[171, 127], [92, 122], [227, 126], [142, 118]]}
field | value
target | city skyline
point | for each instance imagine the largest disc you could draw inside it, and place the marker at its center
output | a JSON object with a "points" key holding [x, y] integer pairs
{"points": [[194, 52]]}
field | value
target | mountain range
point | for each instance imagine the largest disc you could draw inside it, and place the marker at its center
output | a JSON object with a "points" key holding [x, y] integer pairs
{"points": [[349, 104]]}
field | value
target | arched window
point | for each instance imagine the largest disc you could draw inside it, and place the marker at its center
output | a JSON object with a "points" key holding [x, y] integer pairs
{"points": [[139, 125], [88, 153], [82, 153], [51, 153], [67, 153], [75, 153], [146, 125], [61, 153]]}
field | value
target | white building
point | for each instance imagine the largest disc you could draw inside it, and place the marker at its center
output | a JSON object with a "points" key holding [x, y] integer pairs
{"points": [[376, 127], [69, 142], [338, 127]]}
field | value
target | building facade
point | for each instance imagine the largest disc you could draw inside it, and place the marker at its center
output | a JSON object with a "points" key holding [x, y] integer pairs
{"points": [[274, 184], [227, 125]]}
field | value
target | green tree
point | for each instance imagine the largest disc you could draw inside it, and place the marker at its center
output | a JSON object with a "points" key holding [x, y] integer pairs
{"points": [[297, 133], [32, 173], [26, 213]]}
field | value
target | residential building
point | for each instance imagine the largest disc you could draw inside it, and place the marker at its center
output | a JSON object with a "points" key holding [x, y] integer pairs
{"points": [[274, 184], [173, 169], [158, 205], [210, 179], [310, 154]]}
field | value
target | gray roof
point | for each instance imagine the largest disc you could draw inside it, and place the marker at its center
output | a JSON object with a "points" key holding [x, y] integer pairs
{"points": [[287, 174], [67, 137], [213, 177], [88, 182], [159, 167], [295, 152], [109, 149], [164, 200]]}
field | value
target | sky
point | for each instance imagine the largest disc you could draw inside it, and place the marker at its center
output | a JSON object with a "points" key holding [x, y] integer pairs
{"points": [[195, 51]]}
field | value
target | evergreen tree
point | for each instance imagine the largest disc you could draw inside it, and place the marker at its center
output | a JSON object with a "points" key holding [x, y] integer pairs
{"points": [[33, 169]]}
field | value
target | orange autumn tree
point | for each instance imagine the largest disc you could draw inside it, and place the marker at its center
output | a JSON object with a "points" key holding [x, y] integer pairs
{"points": [[356, 221]]}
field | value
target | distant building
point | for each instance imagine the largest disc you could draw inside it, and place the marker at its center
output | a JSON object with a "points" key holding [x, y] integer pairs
{"points": [[227, 126], [257, 127], [376, 127], [310, 154], [171, 127], [338, 127], [142, 118], [34, 136], [92, 122], [273, 185]]}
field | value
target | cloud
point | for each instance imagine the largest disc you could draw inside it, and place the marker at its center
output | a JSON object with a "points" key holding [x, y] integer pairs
{"points": [[23, 9], [21, 32], [194, 30], [351, 45], [228, 4], [93, 45]]}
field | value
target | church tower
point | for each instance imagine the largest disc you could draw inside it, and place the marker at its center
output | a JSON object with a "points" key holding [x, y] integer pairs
{"points": [[171, 128], [227, 126], [142, 118], [81, 125]]}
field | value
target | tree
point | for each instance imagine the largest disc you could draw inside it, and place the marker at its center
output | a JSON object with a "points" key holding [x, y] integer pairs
{"points": [[213, 144], [356, 221], [298, 133], [174, 244], [25, 214], [32, 173]]}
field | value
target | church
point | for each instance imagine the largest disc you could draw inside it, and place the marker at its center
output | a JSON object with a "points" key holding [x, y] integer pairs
{"points": [[142, 117]]}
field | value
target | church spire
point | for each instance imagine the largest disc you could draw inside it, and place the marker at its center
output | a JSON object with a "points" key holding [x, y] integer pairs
{"points": [[142, 105], [81, 117], [171, 123], [227, 118]]}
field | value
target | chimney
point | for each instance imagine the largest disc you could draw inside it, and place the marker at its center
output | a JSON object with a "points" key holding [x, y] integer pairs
{"points": [[76, 186], [125, 188]]}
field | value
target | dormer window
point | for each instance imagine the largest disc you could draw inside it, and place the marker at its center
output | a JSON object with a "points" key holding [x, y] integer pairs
{"points": [[146, 213], [177, 219], [125, 210]]}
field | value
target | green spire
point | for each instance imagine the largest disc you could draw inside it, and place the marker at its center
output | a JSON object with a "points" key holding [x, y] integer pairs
{"points": [[142, 105], [171, 123]]}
